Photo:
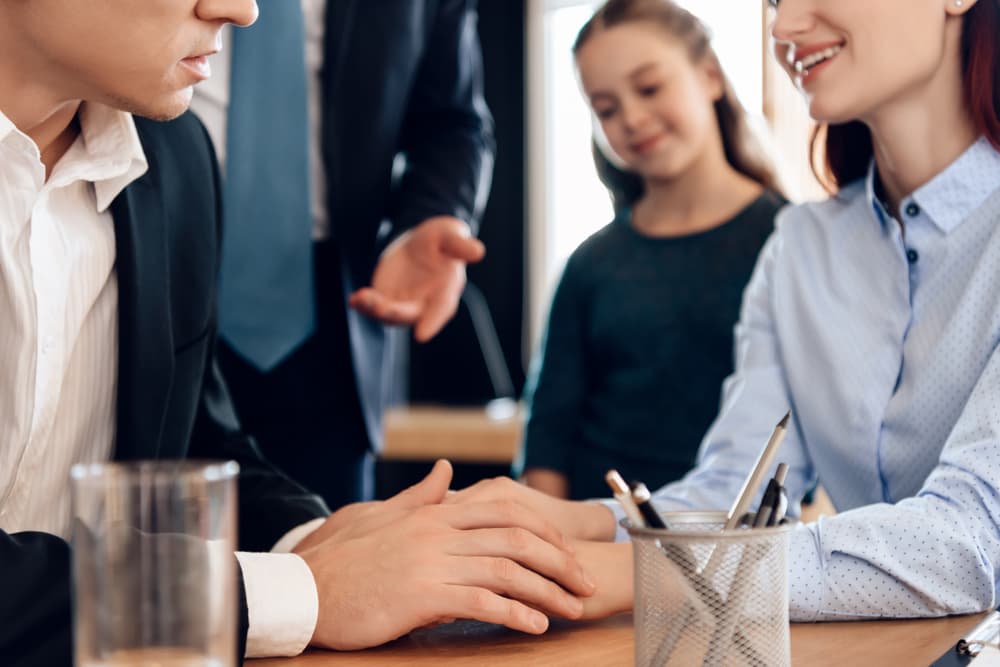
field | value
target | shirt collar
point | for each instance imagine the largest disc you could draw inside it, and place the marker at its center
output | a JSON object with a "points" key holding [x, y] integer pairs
{"points": [[108, 152], [6, 126], [955, 193], [113, 155], [882, 215]]}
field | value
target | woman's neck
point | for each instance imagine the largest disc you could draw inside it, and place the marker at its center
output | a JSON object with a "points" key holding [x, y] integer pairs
{"points": [[916, 137]]}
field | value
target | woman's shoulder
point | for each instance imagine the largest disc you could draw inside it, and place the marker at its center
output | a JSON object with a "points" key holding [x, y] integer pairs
{"points": [[833, 210]]}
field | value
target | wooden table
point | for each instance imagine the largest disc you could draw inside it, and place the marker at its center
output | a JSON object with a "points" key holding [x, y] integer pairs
{"points": [[609, 643]]}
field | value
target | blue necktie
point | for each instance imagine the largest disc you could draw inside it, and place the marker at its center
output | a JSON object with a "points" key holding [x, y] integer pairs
{"points": [[266, 288]]}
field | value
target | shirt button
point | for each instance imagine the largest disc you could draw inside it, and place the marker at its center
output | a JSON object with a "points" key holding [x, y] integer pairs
{"points": [[912, 210], [912, 256]]}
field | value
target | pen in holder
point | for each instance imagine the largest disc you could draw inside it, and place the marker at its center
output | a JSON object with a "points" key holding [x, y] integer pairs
{"points": [[705, 595]]}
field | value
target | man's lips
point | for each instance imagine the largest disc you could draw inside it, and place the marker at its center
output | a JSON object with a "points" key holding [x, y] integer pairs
{"points": [[198, 65]]}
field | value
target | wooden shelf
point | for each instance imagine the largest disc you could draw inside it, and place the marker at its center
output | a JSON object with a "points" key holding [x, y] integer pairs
{"points": [[459, 434]]}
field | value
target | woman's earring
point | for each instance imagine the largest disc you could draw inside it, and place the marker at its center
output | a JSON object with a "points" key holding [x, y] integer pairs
{"points": [[958, 3]]}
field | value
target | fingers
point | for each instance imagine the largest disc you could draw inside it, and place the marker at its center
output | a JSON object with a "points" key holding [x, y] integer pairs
{"points": [[484, 605], [376, 305], [438, 312], [510, 579], [487, 489], [428, 491], [504, 514], [463, 246], [522, 546]]}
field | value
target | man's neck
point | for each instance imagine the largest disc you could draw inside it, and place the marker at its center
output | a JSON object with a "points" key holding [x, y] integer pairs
{"points": [[53, 133], [28, 100], [55, 137]]}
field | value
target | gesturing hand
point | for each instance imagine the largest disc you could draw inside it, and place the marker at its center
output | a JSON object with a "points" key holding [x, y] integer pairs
{"points": [[399, 565], [420, 276]]}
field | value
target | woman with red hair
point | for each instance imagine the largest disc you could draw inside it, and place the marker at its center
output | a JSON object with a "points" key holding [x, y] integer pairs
{"points": [[875, 317]]}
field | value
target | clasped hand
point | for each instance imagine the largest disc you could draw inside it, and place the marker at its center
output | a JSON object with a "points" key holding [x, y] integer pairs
{"points": [[385, 568]]}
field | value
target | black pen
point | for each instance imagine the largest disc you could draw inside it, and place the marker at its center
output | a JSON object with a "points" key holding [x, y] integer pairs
{"points": [[771, 503], [641, 496], [781, 506]]}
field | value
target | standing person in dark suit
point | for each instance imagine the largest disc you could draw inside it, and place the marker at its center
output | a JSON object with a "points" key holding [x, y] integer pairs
{"points": [[376, 148], [109, 249]]}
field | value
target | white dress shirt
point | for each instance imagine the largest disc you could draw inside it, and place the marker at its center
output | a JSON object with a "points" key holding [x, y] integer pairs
{"points": [[211, 104], [59, 342], [58, 312]]}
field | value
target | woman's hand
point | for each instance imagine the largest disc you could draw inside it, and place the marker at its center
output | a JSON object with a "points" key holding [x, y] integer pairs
{"points": [[577, 520]]}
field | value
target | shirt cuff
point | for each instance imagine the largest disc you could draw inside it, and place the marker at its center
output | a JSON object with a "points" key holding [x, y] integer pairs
{"points": [[806, 574], [291, 539], [282, 602], [621, 535]]}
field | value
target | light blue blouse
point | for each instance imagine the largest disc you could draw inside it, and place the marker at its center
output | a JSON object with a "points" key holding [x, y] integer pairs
{"points": [[882, 339]]}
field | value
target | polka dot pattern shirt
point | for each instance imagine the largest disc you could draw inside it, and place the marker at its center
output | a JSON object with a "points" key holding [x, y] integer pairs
{"points": [[880, 333]]}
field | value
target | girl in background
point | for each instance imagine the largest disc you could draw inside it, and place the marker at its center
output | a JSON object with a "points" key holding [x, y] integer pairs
{"points": [[640, 332]]}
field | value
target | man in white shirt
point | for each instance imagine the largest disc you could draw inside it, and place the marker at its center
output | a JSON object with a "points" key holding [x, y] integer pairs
{"points": [[109, 241]]}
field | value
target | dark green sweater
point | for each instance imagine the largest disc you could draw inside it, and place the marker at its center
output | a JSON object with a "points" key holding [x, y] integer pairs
{"points": [[639, 340]]}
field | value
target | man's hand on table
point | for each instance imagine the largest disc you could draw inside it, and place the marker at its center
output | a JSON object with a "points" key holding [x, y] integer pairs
{"points": [[385, 568]]}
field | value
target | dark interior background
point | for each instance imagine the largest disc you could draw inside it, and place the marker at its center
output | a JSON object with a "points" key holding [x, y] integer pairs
{"points": [[450, 369]]}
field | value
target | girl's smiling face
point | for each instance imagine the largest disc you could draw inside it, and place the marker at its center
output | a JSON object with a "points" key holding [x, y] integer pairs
{"points": [[654, 105]]}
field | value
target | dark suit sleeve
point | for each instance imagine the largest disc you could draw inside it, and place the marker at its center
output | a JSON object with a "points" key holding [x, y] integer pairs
{"points": [[35, 624], [270, 503], [447, 135], [35, 604]]}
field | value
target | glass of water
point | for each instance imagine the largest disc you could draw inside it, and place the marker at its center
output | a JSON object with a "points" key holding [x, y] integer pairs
{"points": [[154, 571]]}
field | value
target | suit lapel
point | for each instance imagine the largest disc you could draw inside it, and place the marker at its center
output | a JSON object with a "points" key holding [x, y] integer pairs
{"points": [[145, 344], [339, 21]]}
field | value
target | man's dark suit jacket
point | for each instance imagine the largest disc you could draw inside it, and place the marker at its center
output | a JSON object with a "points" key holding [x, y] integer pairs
{"points": [[399, 77], [171, 400]]}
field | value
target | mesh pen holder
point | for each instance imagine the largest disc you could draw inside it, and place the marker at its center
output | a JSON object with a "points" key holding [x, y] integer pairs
{"points": [[708, 596]]}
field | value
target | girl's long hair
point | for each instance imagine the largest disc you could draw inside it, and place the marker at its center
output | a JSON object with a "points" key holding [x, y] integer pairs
{"points": [[742, 150], [841, 153]]}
